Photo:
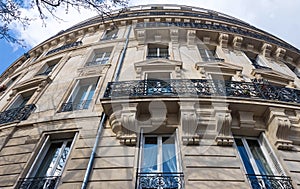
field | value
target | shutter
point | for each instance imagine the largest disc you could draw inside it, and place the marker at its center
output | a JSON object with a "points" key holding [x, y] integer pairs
{"points": [[270, 155]]}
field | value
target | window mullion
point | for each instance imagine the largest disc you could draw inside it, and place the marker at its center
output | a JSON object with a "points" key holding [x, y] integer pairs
{"points": [[159, 154], [63, 146]]}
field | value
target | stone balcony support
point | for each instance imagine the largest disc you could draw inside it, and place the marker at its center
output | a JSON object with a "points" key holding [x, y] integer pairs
{"points": [[279, 127], [223, 124], [188, 122]]}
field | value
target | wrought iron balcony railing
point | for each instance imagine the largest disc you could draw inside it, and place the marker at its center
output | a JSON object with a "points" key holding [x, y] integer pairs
{"points": [[270, 182], [201, 88], [158, 56], [38, 183], [67, 46], [16, 114], [160, 181], [71, 106]]}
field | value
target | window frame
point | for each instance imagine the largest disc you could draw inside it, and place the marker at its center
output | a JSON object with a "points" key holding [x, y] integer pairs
{"points": [[160, 155], [44, 150], [91, 61], [107, 36], [76, 88], [263, 147], [158, 48]]}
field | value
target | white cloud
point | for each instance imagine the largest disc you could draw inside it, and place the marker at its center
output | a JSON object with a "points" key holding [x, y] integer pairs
{"points": [[274, 16]]}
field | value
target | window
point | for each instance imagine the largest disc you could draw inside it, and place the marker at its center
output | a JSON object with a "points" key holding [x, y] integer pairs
{"points": [[208, 53], [81, 96], [261, 164], [21, 100], [160, 161], [158, 83], [11, 81], [48, 67], [110, 34], [257, 61], [158, 51], [100, 56], [48, 166]]}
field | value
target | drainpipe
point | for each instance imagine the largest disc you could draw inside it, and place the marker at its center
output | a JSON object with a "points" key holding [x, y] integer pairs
{"points": [[103, 117], [121, 60]]}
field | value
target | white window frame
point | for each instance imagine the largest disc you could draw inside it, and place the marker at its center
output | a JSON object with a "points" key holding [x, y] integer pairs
{"points": [[113, 36], [159, 155], [104, 59], [271, 163], [44, 150], [76, 88], [157, 48]]}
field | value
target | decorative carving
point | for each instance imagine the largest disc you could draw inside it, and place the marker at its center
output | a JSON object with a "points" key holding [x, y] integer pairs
{"points": [[266, 49], [123, 124], [141, 36], [174, 35], [191, 36], [189, 123], [282, 133], [237, 42], [279, 127], [223, 40], [223, 125], [279, 53]]}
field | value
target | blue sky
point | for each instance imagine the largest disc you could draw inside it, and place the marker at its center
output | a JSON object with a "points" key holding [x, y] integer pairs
{"points": [[274, 16]]}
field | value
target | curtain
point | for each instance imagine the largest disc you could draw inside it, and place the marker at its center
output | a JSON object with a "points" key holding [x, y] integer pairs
{"points": [[169, 161]]}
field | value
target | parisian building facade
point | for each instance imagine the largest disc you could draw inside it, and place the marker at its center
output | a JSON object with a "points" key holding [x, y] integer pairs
{"points": [[153, 97]]}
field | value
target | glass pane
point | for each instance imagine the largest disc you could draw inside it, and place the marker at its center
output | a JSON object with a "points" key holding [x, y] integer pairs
{"points": [[259, 157], [81, 94], [244, 156], [49, 160], [169, 155], [62, 160], [149, 158], [89, 97]]}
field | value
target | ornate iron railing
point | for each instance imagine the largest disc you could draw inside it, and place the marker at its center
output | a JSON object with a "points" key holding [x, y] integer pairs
{"points": [[70, 106], [160, 181], [38, 183], [158, 56], [67, 46], [201, 88], [270, 182], [16, 114]]}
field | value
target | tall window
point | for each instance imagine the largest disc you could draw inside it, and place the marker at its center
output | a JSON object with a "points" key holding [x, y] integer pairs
{"points": [[257, 61], [261, 164], [158, 51], [48, 166], [110, 34], [48, 67], [100, 56], [81, 95], [160, 162], [21, 100], [158, 83], [208, 53]]}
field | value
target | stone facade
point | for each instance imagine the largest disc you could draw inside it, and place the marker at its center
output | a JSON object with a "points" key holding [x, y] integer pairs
{"points": [[108, 89]]}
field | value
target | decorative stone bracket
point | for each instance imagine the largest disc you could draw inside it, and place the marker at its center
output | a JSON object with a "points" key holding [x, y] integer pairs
{"points": [[223, 125], [279, 127], [189, 123], [123, 124]]}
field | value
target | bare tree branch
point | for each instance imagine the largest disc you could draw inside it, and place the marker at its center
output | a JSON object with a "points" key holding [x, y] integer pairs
{"points": [[10, 11]]}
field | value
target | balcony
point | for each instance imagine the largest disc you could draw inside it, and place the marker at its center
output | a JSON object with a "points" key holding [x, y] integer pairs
{"points": [[200, 88], [270, 182], [160, 181], [71, 106], [156, 56], [38, 183], [16, 114], [67, 46]]}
